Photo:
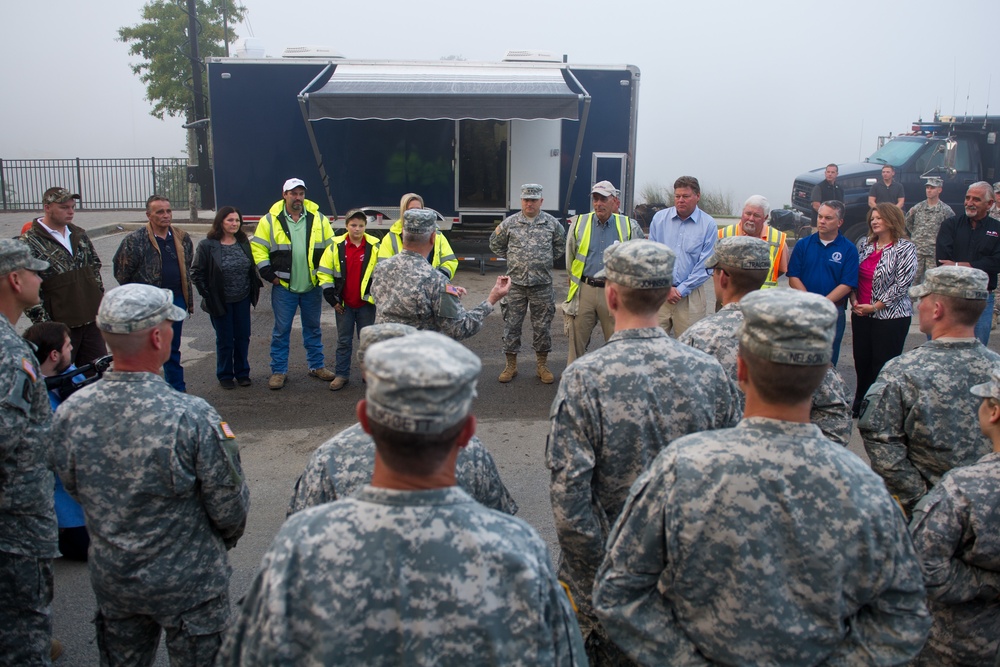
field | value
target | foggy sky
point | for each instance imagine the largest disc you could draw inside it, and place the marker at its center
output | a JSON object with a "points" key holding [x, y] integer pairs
{"points": [[743, 95]]}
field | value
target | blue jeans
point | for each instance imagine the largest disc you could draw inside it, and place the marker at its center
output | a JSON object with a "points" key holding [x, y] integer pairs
{"points": [[284, 304], [352, 319], [173, 373], [985, 321], [232, 340], [839, 335]]}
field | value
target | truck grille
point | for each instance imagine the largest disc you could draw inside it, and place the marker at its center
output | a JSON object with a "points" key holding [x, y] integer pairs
{"points": [[801, 194]]}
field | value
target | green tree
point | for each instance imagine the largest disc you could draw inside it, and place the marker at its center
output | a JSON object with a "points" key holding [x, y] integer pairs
{"points": [[161, 41]]}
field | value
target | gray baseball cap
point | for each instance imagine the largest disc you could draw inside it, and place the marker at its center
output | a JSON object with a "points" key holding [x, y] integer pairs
{"points": [[376, 333], [963, 282], [741, 252], [989, 389], [934, 182], [531, 191], [604, 188], [136, 307], [15, 255], [421, 383], [786, 326], [640, 264], [419, 221]]}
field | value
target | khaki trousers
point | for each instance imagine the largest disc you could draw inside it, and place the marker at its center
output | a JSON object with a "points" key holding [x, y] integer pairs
{"points": [[679, 316], [593, 308]]}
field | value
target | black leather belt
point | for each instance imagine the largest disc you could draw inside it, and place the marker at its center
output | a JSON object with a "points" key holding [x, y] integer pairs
{"points": [[594, 282]]}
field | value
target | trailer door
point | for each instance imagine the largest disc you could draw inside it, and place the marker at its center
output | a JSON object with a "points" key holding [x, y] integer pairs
{"points": [[534, 158], [481, 176]]}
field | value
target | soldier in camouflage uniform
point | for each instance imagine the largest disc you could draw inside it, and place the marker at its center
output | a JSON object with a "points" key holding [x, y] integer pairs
{"points": [[410, 570], [158, 475], [922, 224], [28, 531], [530, 240], [71, 287], [615, 409], [344, 463], [408, 290], [737, 262], [764, 544], [918, 418], [954, 529]]}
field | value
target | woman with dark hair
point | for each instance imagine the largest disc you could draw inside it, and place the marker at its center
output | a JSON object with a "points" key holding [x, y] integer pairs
{"points": [[224, 274], [880, 306]]}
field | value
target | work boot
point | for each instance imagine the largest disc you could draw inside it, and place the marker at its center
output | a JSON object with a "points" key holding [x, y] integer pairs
{"points": [[322, 373], [55, 650], [338, 383], [510, 370], [543, 372], [277, 381]]}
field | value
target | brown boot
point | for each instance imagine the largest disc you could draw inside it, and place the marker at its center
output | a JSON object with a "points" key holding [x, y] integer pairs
{"points": [[543, 372], [510, 370]]}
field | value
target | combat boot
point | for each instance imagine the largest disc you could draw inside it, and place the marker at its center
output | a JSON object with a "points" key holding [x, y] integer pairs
{"points": [[510, 370], [543, 372]]}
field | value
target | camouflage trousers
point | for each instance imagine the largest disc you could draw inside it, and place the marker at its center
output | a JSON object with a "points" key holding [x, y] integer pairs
{"points": [[193, 636], [25, 610], [541, 300], [924, 262], [601, 651]]}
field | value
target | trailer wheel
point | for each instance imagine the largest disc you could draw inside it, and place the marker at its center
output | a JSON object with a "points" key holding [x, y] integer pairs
{"points": [[856, 232]]}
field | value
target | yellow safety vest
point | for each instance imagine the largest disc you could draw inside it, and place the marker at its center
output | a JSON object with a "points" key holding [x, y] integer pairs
{"points": [[444, 257], [775, 239], [330, 267], [272, 248], [576, 268]]}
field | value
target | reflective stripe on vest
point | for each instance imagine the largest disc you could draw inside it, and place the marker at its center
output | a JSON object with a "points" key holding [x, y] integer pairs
{"points": [[576, 269], [774, 239]]}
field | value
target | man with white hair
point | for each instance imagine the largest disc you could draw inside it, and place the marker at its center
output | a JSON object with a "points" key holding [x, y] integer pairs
{"points": [[756, 211], [972, 238]]}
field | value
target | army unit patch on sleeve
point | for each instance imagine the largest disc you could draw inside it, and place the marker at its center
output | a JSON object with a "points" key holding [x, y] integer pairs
{"points": [[226, 430], [29, 368]]}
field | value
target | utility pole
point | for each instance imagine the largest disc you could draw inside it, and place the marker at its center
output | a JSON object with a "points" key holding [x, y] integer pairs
{"points": [[202, 173]]}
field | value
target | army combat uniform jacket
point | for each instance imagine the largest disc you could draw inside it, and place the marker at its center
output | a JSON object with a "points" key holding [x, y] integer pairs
{"points": [[391, 577], [765, 544], [343, 464], [918, 420]]}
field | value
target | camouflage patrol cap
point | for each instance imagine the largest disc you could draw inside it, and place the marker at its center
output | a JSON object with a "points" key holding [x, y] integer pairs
{"points": [[989, 389], [419, 221], [639, 264], [15, 255], [421, 383], [135, 307], [787, 326], [58, 196], [934, 182], [531, 191], [963, 282], [741, 252], [376, 333]]}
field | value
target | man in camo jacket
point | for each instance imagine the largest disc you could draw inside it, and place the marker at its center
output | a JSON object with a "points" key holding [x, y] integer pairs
{"points": [[344, 463], [737, 264], [408, 290], [158, 475], [615, 409], [922, 224], [918, 418], [763, 544], [410, 570], [28, 531], [954, 529], [530, 240]]}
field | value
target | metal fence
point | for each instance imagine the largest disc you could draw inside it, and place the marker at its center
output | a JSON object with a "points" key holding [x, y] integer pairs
{"points": [[103, 183]]}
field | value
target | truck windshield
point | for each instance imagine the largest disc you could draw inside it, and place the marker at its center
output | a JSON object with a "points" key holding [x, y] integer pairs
{"points": [[898, 151]]}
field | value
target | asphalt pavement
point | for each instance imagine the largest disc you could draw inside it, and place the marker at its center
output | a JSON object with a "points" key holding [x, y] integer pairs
{"points": [[278, 430]]}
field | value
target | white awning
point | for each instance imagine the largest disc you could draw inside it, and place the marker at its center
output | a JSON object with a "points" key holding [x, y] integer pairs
{"points": [[452, 91]]}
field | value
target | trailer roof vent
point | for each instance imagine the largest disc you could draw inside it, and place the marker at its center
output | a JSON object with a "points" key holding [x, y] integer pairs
{"points": [[525, 56], [311, 52], [251, 47]]}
